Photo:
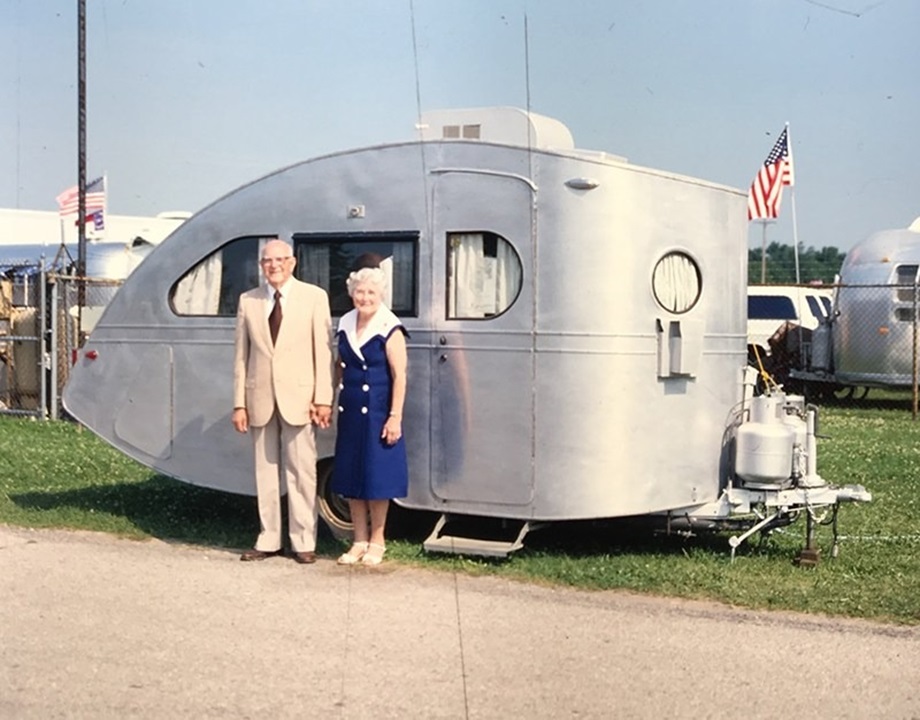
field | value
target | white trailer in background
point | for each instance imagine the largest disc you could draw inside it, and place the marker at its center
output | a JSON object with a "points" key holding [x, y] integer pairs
{"points": [[42, 227], [578, 334]]}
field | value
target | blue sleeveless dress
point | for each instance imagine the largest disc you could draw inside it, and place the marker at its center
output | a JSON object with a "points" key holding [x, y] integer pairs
{"points": [[366, 468]]}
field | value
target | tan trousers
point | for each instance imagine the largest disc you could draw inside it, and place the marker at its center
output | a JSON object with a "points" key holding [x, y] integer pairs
{"points": [[286, 455]]}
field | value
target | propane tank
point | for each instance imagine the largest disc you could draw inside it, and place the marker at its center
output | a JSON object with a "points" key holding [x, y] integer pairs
{"points": [[793, 416], [821, 348], [764, 445]]}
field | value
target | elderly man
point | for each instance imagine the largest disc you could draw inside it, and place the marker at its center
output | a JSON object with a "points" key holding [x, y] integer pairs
{"points": [[282, 386]]}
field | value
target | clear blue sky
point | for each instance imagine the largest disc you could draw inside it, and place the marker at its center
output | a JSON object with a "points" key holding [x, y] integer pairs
{"points": [[188, 99]]}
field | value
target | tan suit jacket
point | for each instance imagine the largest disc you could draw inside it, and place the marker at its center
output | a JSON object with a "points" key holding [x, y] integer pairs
{"points": [[297, 370]]}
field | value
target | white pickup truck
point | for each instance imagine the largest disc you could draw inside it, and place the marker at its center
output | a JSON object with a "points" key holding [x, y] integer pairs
{"points": [[769, 306]]}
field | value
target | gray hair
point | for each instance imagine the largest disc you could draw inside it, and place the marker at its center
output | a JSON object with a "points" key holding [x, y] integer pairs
{"points": [[372, 275]]}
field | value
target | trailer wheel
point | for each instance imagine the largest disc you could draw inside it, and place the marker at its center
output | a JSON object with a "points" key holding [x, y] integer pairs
{"points": [[333, 508], [843, 392]]}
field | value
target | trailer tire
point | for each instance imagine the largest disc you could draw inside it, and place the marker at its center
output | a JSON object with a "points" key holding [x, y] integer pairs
{"points": [[843, 392], [333, 508]]}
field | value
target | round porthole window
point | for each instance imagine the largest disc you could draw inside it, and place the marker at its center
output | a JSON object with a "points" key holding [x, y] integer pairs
{"points": [[676, 282]]}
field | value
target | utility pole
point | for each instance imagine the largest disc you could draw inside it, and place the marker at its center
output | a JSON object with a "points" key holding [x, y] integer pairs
{"points": [[81, 164]]}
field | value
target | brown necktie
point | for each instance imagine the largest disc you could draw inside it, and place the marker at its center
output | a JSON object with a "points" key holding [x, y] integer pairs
{"points": [[274, 320]]}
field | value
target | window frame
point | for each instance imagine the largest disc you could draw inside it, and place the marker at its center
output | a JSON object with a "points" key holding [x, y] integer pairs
{"points": [[698, 272], [487, 236], [258, 238], [369, 238]]}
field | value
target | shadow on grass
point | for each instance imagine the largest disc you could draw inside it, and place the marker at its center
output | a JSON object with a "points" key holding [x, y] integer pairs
{"points": [[173, 511], [641, 536], [634, 536], [160, 506]]}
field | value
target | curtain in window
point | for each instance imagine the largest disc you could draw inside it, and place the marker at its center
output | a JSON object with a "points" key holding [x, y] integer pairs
{"points": [[676, 283], [198, 292], [465, 281], [387, 266], [481, 286], [402, 276], [313, 264], [509, 276]]}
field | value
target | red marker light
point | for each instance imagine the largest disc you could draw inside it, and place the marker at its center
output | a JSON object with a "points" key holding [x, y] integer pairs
{"points": [[91, 354]]}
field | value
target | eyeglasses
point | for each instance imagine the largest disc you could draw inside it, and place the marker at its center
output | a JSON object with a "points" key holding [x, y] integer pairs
{"points": [[280, 261]]}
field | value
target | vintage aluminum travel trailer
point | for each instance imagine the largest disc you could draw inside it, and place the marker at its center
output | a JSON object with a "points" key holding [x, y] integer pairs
{"points": [[578, 337], [869, 338], [104, 260]]}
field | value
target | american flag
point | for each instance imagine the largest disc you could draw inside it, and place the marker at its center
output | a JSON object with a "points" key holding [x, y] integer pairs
{"points": [[767, 189], [69, 200]]}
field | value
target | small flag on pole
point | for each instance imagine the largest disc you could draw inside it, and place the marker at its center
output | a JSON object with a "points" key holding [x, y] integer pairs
{"points": [[766, 191], [97, 219], [69, 200]]}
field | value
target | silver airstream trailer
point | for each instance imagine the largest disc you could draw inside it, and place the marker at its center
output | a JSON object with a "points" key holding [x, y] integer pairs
{"points": [[578, 333], [873, 328], [868, 339]]}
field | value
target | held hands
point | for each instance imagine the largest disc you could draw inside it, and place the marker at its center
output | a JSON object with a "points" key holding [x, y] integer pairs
{"points": [[321, 415], [240, 419], [392, 430]]}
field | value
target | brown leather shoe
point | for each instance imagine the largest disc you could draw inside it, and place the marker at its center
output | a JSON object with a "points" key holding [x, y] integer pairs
{"points": [[254, 554], [305, 558]]}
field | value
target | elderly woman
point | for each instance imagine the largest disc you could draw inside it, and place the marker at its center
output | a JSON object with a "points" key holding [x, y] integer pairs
{"points": [[370, 454]]}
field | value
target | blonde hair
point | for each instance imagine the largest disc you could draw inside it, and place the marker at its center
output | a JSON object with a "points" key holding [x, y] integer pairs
{"points": [[373, 275]]}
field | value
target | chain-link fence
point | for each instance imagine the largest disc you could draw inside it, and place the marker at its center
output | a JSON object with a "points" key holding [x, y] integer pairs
{"points": [[76, 304], [868, 339], [850, 339], [44, 319], [22, 391]]}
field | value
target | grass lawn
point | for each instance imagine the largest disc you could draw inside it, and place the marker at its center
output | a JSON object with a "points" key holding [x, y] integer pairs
{"points": [[52, 474]]}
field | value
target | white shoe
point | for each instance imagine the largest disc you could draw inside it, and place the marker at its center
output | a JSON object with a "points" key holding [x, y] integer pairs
{"points": [[373, 555], [357, 551]]}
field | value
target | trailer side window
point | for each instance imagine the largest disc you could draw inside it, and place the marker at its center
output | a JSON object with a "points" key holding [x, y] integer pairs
{"points": [[677, 282], [213, 286], [906, 280], [483, 275], [325, 259]]}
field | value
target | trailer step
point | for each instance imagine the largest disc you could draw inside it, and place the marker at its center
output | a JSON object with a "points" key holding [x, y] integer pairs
{"points": [[448, 540]]}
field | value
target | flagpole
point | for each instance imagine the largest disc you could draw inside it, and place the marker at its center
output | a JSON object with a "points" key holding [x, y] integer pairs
{"points": [[763, 254], [795, 225], [105, 204]]}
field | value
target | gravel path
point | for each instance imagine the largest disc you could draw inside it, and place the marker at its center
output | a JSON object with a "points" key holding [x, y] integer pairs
{"points": [[92, 626]]}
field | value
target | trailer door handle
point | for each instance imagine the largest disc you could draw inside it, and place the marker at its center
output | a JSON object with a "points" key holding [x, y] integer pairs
{"points": [[443, 358]]}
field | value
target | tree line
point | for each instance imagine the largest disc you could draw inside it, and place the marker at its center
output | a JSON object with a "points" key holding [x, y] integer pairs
{"points": [[779, 269]]}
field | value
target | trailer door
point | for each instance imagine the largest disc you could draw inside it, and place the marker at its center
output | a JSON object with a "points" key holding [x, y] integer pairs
{"points": [[482, 398]]}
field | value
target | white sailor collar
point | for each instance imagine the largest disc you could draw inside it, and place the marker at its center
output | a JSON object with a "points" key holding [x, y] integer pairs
{"points": [[382, 324]]}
